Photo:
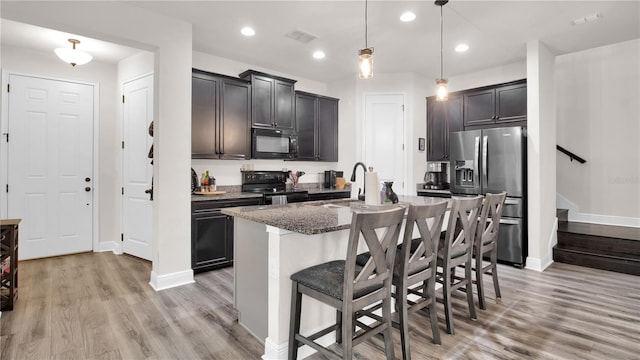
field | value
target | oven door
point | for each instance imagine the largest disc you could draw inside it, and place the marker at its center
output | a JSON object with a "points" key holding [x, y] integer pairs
{"points": [[273, 144]]}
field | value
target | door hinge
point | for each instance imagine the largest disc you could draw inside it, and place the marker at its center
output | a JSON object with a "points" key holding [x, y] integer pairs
{"points": [[122, 190], [402, 107], [121, 237], [123, 144], [6, 135], [123, 99], [6, 188], [8, 87]]}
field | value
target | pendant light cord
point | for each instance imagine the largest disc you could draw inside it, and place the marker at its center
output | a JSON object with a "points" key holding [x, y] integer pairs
{"points": [[365, 24], [441, 30]]}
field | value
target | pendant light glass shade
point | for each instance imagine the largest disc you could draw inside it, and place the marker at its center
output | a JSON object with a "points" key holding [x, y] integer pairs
{"points": [[365, 56], [365, 63], [442, 92], [72, 55]]}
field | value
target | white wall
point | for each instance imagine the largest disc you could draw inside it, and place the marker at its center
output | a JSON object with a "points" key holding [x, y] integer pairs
{"points": [[47, 64], [598, 111], [171, 41], [541, 160]]}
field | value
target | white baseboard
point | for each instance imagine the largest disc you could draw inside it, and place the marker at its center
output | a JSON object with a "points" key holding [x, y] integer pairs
{"points": [[113, 246], [577, 216], [273, 351], [162, 282], [538, 264]]}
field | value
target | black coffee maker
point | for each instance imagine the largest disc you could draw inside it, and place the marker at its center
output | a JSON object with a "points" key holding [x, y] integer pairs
{"points": [[330, 178], [436, 176]]}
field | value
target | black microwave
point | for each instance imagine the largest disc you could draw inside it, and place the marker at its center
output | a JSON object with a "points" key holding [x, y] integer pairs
{"points": [[273, 144]]}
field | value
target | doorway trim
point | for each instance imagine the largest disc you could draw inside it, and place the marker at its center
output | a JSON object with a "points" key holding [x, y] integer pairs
{"points": [[4, 156]]}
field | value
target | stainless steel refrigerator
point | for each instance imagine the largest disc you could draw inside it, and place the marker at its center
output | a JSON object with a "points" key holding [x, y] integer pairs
{"points": [[492, 161]]}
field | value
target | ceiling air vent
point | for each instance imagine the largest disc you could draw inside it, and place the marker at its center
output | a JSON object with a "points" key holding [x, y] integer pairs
{"points": [[301, 36]]}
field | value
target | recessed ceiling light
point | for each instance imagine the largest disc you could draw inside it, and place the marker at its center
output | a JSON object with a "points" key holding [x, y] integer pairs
{"points": [[247, 31], [319, 54], [407, 16], [462, 48]]}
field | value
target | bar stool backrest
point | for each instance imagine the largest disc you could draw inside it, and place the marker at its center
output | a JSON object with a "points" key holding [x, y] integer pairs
{"points": [[489, 223], [428, 219], [461, 228], [377, 272]]}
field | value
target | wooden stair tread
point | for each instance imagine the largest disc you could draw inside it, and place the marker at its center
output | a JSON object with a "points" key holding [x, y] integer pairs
{"points": [[609, 231], [609, 254]]}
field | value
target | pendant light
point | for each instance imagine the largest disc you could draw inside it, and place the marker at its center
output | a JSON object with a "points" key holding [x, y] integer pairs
{"points": [[365, 56], [73, 56], [442, 93]]}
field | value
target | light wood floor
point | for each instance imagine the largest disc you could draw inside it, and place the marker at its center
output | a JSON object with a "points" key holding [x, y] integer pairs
{"points": [[100, 306]]}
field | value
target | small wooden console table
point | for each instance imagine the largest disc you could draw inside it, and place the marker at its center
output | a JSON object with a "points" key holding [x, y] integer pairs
{"points": [[8, 263]]}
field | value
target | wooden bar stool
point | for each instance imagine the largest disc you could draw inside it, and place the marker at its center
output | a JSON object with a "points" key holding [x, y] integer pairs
{"points": [[416, 264], [486, 243], [349, 287], [457, 250]]}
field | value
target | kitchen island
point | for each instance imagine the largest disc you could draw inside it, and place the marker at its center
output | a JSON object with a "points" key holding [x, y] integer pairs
{"points": [[273, 242]]}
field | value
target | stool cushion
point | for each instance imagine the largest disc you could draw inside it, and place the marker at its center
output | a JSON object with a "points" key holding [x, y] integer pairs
{"points": [[328, 278]]}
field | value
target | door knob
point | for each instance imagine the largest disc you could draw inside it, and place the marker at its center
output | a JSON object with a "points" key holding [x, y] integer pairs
{"points": [[87, 179], [87, 189]]}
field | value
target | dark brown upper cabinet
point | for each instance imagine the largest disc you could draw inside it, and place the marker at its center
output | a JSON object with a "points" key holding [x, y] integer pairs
{"points": [[443, 117], [317, 127], [496, 104], [220, 117], [272, 100]]}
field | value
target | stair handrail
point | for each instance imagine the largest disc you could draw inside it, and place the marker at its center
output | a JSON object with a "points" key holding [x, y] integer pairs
{"points": [[571, 155]]}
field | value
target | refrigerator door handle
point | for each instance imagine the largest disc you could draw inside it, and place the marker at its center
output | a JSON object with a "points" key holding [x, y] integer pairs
{"points": [[476, 158], [485, 172]]}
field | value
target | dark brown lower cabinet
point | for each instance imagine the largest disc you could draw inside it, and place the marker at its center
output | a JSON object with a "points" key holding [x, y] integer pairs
{"points": [[212, 233]]}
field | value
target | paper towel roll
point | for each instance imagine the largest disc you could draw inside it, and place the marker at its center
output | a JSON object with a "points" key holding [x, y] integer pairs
{"points": [[371, 197]]}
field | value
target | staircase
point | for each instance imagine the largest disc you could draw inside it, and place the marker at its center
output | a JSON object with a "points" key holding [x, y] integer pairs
{"points": [[606, 247]]}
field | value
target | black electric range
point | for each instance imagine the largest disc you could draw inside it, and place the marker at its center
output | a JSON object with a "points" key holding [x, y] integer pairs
{"points": [[272, 185]]}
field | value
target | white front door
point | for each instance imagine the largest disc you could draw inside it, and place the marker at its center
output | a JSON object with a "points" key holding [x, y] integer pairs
{"points": [[137, 170], [383, 138], [50, 165]]}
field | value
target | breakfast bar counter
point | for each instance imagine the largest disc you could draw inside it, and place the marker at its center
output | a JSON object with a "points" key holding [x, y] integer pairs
{"points": [[273, 242]]}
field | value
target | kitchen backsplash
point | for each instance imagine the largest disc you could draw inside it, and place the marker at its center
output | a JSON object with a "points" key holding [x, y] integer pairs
{"points": [[227, 172]]}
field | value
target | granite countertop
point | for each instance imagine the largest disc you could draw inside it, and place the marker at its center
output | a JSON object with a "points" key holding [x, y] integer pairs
{"points": [[315, 217], [447, 191], [233, 192], [230, 195]]}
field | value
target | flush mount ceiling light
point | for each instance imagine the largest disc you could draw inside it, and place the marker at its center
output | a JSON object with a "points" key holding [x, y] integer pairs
{"points": [[442, 93], [247, 31], [407, 16], [365, 56], [72, 55]]}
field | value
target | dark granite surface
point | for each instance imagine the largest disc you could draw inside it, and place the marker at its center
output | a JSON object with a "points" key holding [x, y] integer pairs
{"points": [[315, 217]]}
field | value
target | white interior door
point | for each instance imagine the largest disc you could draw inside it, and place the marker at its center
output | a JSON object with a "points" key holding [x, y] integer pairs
{"points": [[50, 165], [137, 170], [383, 137]]}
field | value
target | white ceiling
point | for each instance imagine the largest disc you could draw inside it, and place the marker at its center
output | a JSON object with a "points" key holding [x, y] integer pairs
{"points": [[496, 31]]}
